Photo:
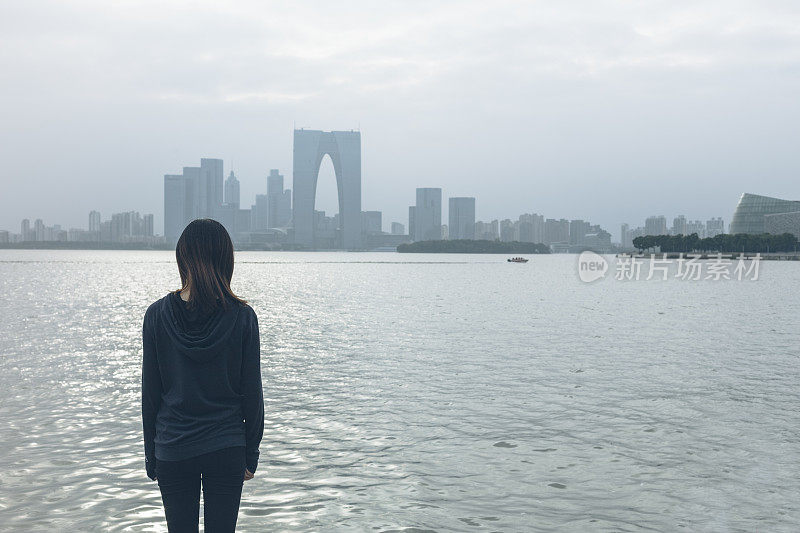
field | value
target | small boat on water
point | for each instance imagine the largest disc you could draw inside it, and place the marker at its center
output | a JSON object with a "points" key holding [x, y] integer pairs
{"points": [[517, 260]]}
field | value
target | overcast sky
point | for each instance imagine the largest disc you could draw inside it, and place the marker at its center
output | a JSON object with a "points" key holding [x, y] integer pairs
{"points": [[603, 110]]}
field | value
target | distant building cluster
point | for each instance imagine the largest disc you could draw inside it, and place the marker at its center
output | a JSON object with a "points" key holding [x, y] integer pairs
{"points": [[657, 225], [127, 227], [561, 235], [425, 224], [282, 215], [200, 192], [754, 214]]}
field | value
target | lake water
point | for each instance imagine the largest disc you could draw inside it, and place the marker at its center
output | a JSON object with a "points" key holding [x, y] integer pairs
{"points": [[421, 393]]}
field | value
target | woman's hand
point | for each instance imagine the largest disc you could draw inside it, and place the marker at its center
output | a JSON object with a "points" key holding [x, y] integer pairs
{"points": [[248, 475]]}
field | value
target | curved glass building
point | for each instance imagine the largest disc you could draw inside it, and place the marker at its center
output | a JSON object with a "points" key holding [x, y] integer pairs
{"points": [[749, 214]]}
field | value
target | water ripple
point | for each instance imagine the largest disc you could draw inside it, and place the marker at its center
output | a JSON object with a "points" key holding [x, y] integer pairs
{"points": [[439, 394]]}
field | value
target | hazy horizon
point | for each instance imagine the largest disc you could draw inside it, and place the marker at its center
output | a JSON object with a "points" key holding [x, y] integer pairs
{"points": [[603, 111]]}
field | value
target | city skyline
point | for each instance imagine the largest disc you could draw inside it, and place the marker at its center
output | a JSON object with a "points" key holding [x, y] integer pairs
{"points": [[274, 218], [527, 227], [213, 169], [283, 218], [326, 196], [602, 111]]}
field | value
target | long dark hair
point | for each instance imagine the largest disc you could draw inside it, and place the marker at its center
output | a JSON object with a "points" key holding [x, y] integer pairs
{"points": [[205, 262]]}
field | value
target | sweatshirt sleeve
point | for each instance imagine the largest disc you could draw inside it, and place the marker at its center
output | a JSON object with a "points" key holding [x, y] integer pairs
{"points": [[151, 395], [253, 398]]}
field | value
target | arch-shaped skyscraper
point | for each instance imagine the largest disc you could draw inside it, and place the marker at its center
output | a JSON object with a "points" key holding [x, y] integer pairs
{"points": [[344, 149]]}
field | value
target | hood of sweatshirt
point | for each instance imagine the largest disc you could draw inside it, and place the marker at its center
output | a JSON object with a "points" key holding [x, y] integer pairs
{"points": [[199, 336]]}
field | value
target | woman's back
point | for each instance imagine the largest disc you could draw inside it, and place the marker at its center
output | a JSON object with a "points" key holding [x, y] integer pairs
{"points": [[202, 403], [208, 368]]}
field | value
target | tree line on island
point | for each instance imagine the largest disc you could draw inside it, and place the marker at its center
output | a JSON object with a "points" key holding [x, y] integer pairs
{"points": [[467, 246], [724, 242]]}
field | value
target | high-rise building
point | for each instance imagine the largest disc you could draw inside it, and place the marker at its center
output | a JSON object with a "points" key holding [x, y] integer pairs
{"points": [[326, 230], [714, 227], [242, 222], [279, 210], [656, 225], [344, 149], [462, 218], [39, 230], [631, 234], [412, 214], [259, 213], [147, 225], [94, 221], [232, 196], [226, 215], [597, 239], [105, 231], [274, 182], [371, 222], [679, 225], [525, 228], [556, 231], [122, 226], [180, 206], [508, 231], [578, 229], [196, 193], [428, 214], [530, 228], [486, 231], [130, 226], [696, 226], [210, 187], [285, 209], [192, 177], [25, 230], [624, 236], [398, 228]]}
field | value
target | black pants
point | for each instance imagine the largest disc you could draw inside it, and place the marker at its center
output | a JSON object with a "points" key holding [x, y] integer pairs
{"points": [[222, 476]]}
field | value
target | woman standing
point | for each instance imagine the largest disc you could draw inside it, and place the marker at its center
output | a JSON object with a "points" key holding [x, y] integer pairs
{"points": [[202, 402]]}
